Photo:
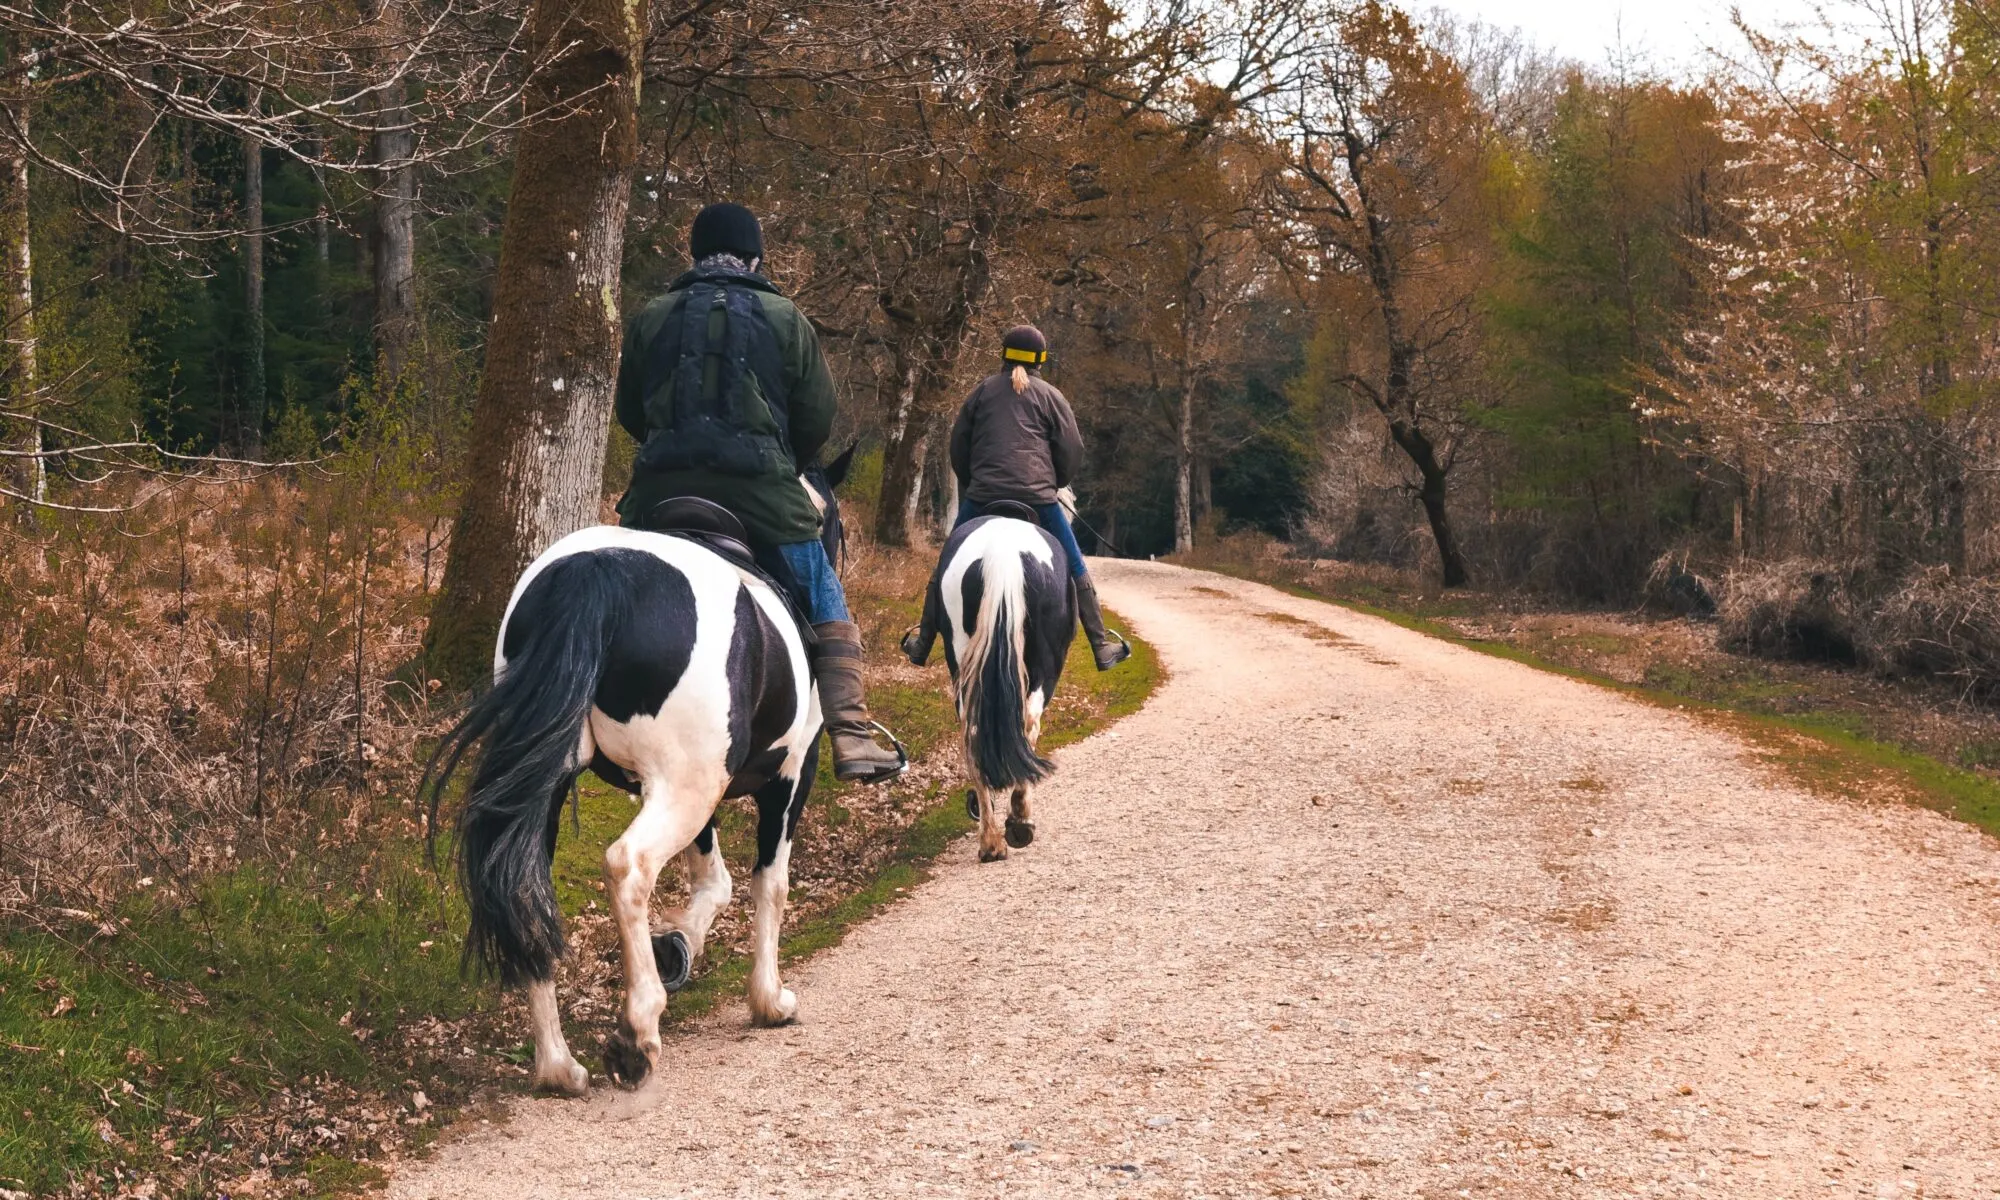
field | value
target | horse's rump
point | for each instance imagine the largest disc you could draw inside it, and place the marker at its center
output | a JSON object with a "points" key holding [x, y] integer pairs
{"points": [[1003, 590]]}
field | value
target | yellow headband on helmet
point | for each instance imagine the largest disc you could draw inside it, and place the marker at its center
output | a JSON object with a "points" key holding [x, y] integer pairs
{"points": [[1015, 354]]}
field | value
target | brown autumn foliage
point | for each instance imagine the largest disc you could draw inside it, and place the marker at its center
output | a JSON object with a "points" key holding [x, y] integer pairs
{"points": [[222, 666]]}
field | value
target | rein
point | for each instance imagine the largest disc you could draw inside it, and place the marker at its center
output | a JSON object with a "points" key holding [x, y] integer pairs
{"points": [[1077, 519]]}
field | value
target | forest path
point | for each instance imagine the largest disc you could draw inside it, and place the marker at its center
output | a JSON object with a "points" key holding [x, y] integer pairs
{"points": [[1348, 911]]}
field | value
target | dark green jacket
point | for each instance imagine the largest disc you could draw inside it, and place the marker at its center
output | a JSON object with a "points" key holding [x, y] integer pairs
{"points": [[774, 507]]}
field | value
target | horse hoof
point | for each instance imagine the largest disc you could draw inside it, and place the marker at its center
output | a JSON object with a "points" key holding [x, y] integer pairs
{"points": [[784, 1012], [1019, 833], [569, 1079], [674, 959], [972, 803], [995, 855], [625, 1064]]}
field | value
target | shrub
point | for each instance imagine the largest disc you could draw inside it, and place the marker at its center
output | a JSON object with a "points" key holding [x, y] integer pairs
{"points": [[1795, 609], [1938, 624]]}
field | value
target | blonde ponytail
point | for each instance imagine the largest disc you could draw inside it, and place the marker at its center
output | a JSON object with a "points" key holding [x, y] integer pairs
{"points": [[1020, 378]]}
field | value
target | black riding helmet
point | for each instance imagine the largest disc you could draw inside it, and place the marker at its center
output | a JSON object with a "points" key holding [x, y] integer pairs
{"points": [[1024, 346]]}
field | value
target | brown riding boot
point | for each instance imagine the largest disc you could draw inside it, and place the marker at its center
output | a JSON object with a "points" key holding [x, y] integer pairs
{"points": [[837, 669], [1106, 646]]}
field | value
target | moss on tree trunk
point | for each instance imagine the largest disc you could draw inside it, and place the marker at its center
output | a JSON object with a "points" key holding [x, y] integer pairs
{"points": [[534, 471]]}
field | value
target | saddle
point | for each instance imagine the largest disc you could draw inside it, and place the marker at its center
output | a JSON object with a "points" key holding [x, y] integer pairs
{"points": [[713, 527], [1016, 509]]}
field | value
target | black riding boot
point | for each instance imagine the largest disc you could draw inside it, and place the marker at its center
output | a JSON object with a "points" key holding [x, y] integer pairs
{"points": [[836, 668], [1106, 646], [918, 638]]}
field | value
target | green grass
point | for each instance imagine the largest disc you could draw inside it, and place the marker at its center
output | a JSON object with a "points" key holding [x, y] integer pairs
{"points": [[189, 1013], [1826, 752], [194, 1012]]}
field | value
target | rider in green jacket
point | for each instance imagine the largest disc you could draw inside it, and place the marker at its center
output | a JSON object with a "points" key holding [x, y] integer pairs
{"points": [[722, 384]]}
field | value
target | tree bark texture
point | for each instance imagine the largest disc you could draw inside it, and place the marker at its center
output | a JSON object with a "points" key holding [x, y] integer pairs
{"points": [[901, 464], [250, 417], [17, 300], [393, 244], [1431, 492], [535, 468], [1184, 473]]}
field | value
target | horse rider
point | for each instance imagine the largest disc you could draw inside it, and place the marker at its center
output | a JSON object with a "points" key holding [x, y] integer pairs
{"points": [[1016, 439], [722, 383]]}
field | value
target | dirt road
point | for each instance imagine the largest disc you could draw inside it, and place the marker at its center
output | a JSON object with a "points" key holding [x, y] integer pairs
{"points": [[1346, 911]]}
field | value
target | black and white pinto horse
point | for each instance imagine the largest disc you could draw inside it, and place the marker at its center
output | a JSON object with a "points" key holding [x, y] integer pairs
{"points": [[1002, 602], [671, 673]]}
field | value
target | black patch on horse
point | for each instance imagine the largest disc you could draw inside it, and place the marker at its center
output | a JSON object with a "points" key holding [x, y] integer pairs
{"points": [[650, 641], [1051, 617], [761, 697], [972, 593]]}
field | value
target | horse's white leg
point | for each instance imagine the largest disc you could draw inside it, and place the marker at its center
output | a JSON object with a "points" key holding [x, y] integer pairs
{"points": [[779, 804], [708, 888], [994, 805], [556, 1069], [669, 818]]}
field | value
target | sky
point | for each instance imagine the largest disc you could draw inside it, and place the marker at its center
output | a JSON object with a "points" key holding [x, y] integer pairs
{"points": [[1668, 34]]}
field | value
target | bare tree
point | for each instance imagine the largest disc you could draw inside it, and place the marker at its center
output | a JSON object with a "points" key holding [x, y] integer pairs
{"points": [[1379, 203]]}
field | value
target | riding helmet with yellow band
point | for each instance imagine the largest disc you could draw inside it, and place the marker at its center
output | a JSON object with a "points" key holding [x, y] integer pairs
{"points": [[1024, 345]]}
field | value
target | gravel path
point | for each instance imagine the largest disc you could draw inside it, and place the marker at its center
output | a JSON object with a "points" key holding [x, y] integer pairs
{"points": [[1346, 911]]}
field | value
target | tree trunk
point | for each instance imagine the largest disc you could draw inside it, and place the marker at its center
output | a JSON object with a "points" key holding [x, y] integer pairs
{"points": [[913, 497], [1423, 454], [536, 467], [17, 308], [394, 242], [950, 516], [17, 302], [250, 418], [1184, 474], [1450, 562], [900, 452]]}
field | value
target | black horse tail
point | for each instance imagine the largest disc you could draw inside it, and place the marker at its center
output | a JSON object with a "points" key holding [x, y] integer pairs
{"points": [[993, 680], [532, 720]]}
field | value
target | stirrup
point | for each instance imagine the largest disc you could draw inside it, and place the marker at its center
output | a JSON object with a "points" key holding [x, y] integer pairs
{"points": [[902, 758], [1124, 651]]}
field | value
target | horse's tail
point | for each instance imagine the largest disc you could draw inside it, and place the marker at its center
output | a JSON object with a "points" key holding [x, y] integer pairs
{"points": [[993, 679], [533, 720]]}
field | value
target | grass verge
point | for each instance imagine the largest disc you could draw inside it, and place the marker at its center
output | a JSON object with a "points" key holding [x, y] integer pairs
{"points": [[291, 1025]]}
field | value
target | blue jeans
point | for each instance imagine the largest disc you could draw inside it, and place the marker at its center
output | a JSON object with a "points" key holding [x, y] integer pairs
{"points": [[1054, 519], [816, 577]]}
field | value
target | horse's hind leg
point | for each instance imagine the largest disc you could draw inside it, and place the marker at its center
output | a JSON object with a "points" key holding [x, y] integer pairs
{"points": [[556, 1069], [670, 817], [1021, 817], [994, 805], [779, 804], [708, 888]]}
